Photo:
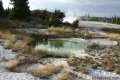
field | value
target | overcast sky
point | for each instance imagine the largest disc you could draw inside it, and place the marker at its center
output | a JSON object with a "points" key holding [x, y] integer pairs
{"points": [[77, 7]]}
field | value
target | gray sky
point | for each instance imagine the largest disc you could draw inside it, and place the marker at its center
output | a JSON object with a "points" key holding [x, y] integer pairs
{"points": [[77, 7]]}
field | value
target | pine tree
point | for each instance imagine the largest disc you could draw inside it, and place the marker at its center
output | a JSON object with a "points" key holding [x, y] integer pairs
{"points": [[1, 9], [20, 10]]}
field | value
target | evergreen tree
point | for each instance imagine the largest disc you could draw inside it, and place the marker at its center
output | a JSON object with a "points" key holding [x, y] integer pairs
{"points": [[7, 12], [1, 9], [20, 10]]}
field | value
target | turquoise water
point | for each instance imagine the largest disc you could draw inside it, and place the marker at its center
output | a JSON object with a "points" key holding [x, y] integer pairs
{"points": [[66, 46]]}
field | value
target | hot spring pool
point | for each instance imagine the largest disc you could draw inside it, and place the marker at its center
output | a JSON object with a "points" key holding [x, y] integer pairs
{"points": [[63, 46]]}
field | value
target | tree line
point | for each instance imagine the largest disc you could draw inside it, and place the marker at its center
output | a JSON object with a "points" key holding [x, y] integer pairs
{"points": [[114, 19], [49, 18], [21, 11]]}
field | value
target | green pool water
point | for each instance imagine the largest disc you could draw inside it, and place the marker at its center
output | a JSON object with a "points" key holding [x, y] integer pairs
{"points": [[63, 46]]}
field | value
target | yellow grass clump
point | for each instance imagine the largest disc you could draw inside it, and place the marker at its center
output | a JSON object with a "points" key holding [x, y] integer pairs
{"points": [[23, 47], [114, 36], [59, 30], [47, 70], [8, 44], [26, 59], [8, 36], [21, 58], [66, 75], [39, 53], [11, 64], [25, 38]]}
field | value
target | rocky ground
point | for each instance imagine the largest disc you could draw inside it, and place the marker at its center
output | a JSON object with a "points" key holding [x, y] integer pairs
{"points": [[97, 63], [58, 68], [5, 74]]}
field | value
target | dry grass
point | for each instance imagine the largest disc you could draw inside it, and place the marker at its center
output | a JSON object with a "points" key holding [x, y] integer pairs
{"points": [[8, 36], [23, 47], [10, 39], [114, 36], [47, 70], [64, 75], [59, 30], [67, 75], [39, 53], [1, 34], [23, 37], [8, 44], [26, 59], [21, 58], [11, 64]]}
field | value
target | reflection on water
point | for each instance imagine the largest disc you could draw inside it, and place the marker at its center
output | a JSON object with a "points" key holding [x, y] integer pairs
{"points": [[62, 45]]}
